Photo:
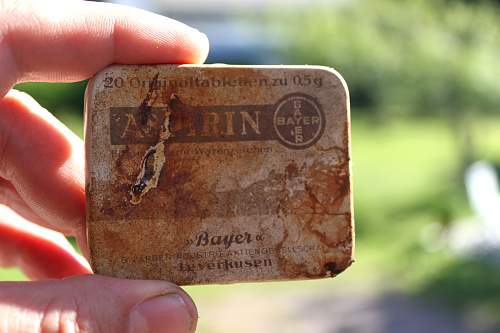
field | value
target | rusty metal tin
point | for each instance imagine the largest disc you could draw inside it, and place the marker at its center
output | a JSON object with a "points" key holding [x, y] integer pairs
{"points": [[202, 174]]}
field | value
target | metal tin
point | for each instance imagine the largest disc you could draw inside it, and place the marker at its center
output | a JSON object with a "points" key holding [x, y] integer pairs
{"points": [[202, 174]]}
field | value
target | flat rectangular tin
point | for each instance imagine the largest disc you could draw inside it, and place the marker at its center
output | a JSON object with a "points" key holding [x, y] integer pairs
{"points": [[201, 174]]}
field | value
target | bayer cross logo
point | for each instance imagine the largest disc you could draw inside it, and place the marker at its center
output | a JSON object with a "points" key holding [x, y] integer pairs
{"points": [[298, 121]]}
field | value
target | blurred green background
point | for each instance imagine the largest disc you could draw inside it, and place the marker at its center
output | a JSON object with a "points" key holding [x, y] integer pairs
{"points": [[423, 78]]}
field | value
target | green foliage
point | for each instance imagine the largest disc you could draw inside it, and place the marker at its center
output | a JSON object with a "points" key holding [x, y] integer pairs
{"points": [[413, 57], [466, 284], [64, 100], [57, 97]]}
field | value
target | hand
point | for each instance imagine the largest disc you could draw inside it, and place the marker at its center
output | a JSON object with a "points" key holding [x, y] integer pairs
{"points": [[42, 192]]}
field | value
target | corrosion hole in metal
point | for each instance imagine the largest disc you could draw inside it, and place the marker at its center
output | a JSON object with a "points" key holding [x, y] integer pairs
{"points": [[331, 269], [148, 167], [153, 161]]}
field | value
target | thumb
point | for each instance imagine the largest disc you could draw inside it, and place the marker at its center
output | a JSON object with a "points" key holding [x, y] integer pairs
{"points": [[91, 303]]}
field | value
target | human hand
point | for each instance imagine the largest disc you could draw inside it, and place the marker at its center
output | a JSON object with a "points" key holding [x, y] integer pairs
{"points": [[42, 193]]}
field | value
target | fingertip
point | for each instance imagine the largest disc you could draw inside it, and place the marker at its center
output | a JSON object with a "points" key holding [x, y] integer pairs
{"points": [[18, 94], [152, 288], [191, 306], [43, 160], [203, 48], [152, 304], [142, 37], [95, 303], [165, 313], [76, 39], [22, 101], [39, 252], [16, 99]]}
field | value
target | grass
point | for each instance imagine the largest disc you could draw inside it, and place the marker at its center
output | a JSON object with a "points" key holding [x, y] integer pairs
{"points": [[406, 176]]}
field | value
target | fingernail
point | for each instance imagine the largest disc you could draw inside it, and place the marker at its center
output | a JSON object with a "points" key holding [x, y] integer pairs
{"points": [[161, 314]]}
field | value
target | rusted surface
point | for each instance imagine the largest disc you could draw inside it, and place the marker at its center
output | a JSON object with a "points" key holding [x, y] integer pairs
{"points": [[218, 174]]}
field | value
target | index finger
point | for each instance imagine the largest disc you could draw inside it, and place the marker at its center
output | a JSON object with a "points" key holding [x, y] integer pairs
{"points": [[72, 40], [67, 41]]}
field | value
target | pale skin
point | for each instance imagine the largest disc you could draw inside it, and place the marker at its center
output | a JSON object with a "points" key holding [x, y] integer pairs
{"points": [[42, 194]]}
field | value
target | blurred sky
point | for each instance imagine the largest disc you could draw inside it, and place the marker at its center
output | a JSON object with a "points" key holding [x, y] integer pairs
{"points": [[233, 28], [214, 6]]}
